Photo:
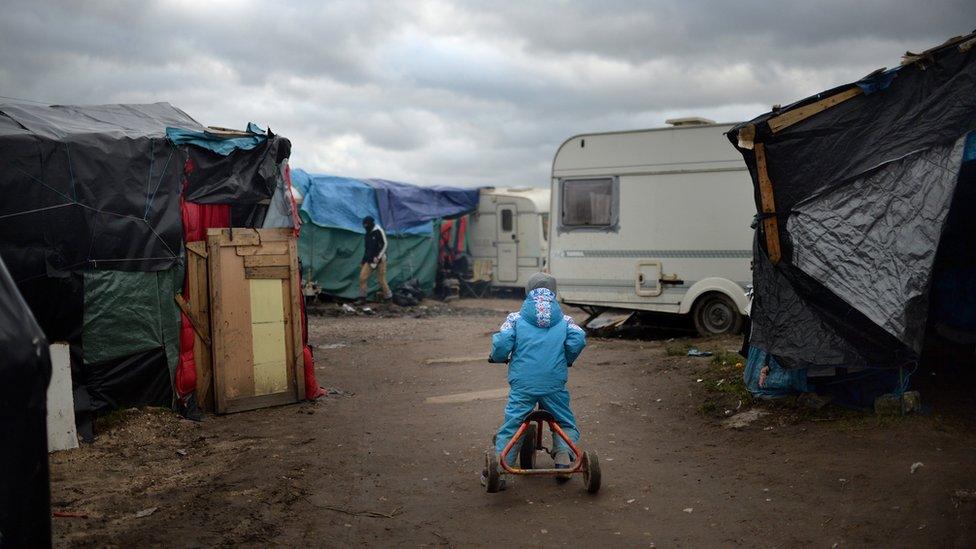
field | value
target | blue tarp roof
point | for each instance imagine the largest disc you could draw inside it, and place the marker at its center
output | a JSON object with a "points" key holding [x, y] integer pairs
{"points": [[221, 145], [400, 208]]}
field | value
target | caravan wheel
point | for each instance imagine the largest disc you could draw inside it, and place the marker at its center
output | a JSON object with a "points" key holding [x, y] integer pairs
{"points": [[716, 314]]}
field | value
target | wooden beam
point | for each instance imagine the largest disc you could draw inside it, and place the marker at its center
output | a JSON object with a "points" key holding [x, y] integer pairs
{"points": [[281, 272], [787, 119], [198, 325], [199, 248], [770, 223], [266, 248], [267, 260]]}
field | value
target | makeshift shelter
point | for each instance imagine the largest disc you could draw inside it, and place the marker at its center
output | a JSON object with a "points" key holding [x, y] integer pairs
{"points": [[25, 514], [866, 202], [331, 242], [99, 201]]}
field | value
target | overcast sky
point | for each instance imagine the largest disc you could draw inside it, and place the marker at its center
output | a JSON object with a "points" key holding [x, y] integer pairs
{"points": [[464, 93]]}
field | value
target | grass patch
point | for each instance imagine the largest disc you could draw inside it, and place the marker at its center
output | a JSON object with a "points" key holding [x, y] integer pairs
{"points": [[677, 349], [727, 358]]}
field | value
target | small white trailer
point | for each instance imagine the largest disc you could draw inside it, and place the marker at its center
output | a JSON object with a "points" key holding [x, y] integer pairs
{"points": [[654, 220], [510, 229]]}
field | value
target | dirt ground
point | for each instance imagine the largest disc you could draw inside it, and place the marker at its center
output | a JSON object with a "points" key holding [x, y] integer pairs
{"points": [[377, 463]]}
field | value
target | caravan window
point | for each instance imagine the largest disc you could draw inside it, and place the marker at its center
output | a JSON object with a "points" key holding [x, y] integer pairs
{"points": [[545, 226], [507, 221], [588, 203]]}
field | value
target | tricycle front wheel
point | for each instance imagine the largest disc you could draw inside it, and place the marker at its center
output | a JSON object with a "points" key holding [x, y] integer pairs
{"points": [[591, 472]]}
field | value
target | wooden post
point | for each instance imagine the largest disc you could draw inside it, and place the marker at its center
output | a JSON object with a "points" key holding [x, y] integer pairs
{"points": [[770, 223]]}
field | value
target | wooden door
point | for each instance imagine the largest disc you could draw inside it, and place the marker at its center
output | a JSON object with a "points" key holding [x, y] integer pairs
{"points": [[255, 318]]}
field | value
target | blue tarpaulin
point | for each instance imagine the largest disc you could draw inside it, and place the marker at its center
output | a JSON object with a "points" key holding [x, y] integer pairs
{"points": [[779, 381], [400, 208], [219, 144], [402, 205], [336, 202]]}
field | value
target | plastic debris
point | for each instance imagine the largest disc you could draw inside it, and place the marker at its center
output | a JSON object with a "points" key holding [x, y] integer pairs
{"points": [[694, 351], [915, 466], [688, 509]]}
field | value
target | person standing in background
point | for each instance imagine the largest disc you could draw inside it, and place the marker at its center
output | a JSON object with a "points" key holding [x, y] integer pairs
{"points": [[374, 259]]}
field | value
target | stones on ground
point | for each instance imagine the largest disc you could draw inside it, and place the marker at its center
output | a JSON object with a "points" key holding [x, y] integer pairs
{"points": [[892, 405], [743, 419], [688, 509], [812, 401], [965, 495], [146, 512]]}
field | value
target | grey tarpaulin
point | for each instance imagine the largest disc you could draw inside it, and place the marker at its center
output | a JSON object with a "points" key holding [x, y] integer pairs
{"points": [[862, 192]]}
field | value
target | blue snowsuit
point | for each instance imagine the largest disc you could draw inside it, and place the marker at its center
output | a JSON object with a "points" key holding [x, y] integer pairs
{"points": [[541, 342]]}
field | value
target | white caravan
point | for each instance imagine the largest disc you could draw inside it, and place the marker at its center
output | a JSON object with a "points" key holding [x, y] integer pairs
{"points": [[510, 229], [654, 220]]}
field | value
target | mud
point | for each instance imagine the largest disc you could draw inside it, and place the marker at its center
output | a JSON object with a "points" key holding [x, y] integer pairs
{"points": [[391, 457]]}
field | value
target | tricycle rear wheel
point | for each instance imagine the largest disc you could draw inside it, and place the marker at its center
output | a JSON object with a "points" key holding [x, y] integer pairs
{"points": [[492, 477]]}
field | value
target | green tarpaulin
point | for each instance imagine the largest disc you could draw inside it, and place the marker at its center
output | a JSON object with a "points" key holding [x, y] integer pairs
{"points": [[332, 258], [131, 312]]}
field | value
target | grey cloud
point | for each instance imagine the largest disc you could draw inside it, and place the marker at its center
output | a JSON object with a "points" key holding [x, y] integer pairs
{"points": [[454, 92]]}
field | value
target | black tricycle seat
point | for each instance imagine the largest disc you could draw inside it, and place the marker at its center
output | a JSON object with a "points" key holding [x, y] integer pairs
{"points": [[539, 415]]}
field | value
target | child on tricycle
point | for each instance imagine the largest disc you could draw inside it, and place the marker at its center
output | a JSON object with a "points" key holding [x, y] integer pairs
{"points": [[539, 343]]}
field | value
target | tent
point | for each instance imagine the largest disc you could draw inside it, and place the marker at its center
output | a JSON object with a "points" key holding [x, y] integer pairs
{"points": [[99, 201], [25, 515], [865, 201], [331, 242]]}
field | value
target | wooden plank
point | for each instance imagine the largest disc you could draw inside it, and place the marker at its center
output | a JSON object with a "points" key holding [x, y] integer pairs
{"points": [[276, 235], [200, 304], [295, 289], [787, 119], [268, 260], [199, 248], [198, 326], [236, 360], [266, 272], [235, 237], [256, 402], [266, 248], [290, 342], [216, 323], [771, 223]]}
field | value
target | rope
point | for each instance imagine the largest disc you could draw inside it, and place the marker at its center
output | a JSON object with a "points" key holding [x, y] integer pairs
{"points": [[71, 171], [35, 210], [159, 181]]}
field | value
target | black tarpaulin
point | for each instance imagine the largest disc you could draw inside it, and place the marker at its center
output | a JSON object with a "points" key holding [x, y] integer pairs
{"points": [[862, 191], [25, 371], [96, 189], [90, 187]]}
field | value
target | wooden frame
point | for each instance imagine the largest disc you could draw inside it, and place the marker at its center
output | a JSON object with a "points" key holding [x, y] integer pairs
{"points": [[198, 310], [787, 119], [770, 222], [243, 264]]}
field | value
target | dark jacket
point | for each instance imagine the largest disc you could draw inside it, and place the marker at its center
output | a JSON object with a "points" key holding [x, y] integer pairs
{"points": [[375, 245]]}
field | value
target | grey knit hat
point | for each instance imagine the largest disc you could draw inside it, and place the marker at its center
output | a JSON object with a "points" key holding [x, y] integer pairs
{"points": [[541, 280]]}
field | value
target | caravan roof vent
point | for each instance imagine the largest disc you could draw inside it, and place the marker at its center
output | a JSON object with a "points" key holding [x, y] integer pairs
{"points": [[689, 121]]}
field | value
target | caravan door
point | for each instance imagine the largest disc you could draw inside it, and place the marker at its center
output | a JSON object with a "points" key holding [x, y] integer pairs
{"points": [[507, 243]]}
